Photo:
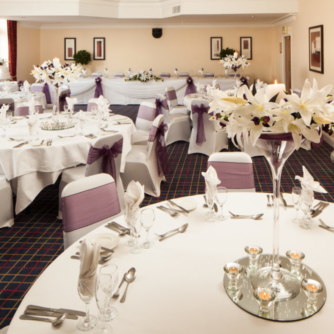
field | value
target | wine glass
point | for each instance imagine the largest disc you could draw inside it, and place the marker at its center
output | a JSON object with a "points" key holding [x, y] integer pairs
{"points": [[210, 201], [221, 197], [127, 218], [296, 198], [147, 218], [307, 198], [112, 270], [135, 230], [103, 291], [66, 110], [86, 291], [9, 116]]}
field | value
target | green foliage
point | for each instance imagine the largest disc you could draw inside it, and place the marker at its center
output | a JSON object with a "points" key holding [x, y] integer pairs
{"points": [[225, 52], [82, 57]]}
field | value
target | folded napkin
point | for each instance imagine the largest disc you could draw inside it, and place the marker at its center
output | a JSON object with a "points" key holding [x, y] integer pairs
{"points": [[199, 87], [102, 104], [201, 71], [133, 198], [211, 182], [308, 182], [176, 71], [26, 86], [32, 103], [3, 111], [71, 102], [89, 259]]}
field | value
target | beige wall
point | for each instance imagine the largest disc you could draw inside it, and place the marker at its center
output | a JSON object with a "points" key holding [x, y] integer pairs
{"points": [[28, 51], [186, 49], [310, 14]]}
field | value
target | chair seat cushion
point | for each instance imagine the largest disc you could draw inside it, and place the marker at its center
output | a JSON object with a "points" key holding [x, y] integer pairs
{"points": [[138, 153], [72, 174], [139, 137], [180, 110]]}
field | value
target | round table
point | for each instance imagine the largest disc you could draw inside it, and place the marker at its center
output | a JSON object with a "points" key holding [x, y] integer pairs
{"points": [[13, 86], [31, 168], [20, 97], [179, 285]]}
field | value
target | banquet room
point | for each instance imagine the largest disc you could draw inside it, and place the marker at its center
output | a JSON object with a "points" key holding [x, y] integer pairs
{"points": [[166, 166]]}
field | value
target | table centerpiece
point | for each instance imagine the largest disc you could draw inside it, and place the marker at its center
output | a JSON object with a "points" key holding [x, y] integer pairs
{"points": [[143, 76], [235, 63]]}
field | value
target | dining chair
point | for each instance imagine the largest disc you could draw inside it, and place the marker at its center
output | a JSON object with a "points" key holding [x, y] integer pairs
{"points": [[94, 103], [104, 156], [164, 75], [118, 75], [207, 136], [234, 170], [143, 163], [6, 200], [145, 117], [232, 75], [8, 101], [172, 102], [179, 125], [183, 74], [209, 75], [23, 109], [86, 204], [38, 88]]}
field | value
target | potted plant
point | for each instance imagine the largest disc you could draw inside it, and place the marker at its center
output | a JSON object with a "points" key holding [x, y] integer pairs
{"points": [[226, 52], [82, 57]]}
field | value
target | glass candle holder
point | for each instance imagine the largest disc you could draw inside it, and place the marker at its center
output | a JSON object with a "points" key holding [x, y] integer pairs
{"points": [[312, 289], [233, 271], [265, 298], [254, 253], [296, 257]]}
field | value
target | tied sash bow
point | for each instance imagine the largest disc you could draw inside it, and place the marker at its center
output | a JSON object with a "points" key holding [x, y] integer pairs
{"points": [[191, 88], [159, 104], [98, 89], [160, 148], [47, 93], [108, 155], [200, 110], [62, 100]]}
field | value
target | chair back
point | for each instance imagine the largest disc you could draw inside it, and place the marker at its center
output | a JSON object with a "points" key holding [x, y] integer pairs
{"points": [[96, 75], [86, 204], [297, 91], [164, 75], [145, 116], [162, 106], [171, 98], [91, 104], [38, 88], [183, 74], [23, 109], [234, 170], [209, 75], [232, 75], [8, 101], [151, 144], [118, 75]]}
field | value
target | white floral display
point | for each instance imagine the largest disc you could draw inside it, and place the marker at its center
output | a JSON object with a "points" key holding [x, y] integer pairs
{"points": [[231, 62], [144, 76]]}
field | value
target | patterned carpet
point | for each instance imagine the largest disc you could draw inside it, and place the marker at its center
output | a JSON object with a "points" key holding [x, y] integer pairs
{"points": [[36, 238]]}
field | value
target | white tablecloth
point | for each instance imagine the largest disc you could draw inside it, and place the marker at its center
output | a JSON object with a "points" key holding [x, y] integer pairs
{"points": [[179, 285], [190, 97], [13, 86], [20, 97], [119, 91], [32, 168]]}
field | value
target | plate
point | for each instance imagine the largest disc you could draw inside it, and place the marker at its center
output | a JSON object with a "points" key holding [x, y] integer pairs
{"points": [[108, 240], [188, 204]]}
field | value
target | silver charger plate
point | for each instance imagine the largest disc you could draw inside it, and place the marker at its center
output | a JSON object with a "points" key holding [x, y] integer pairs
{"points": [[286, 311]]}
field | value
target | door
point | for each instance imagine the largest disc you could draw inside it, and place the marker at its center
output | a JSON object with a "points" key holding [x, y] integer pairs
{"points": [[287, 62]]}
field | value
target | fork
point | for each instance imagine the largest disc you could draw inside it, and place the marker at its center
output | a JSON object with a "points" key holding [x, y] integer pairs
{"points": [[171, 212], [269, 201]]}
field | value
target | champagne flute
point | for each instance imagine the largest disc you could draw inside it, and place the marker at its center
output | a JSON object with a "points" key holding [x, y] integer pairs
{"points": [[296, 198], [147, 218], [221, 197], [135, 225], [210, 197]]}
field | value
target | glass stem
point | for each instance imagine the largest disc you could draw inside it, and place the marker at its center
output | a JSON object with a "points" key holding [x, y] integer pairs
{"points": [[147, 236], [87, 317]]}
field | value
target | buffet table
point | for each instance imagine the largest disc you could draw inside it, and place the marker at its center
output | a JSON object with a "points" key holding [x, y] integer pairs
{"points": [[179, 284], [31, 168], [119, 91]]}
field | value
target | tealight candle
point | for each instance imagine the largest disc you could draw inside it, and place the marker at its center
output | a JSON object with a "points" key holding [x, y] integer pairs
{"points": [[264, 295], [311, 287], [233, 270], [253, 250], [295, 255]]}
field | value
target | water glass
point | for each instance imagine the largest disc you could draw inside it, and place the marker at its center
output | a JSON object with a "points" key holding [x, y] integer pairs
{"points": [[9, 116], [307, 199], [147, 218], [127, 217], [221, 198], [296, 198], [210, 201], [80, 125]]}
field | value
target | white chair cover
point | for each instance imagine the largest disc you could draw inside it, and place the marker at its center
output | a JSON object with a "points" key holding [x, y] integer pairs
{"points": [[172, 102], [165, 75], [215, 137], [209, 75], [141, 165], [234, 169], [183, 74], [23, 109], [119, 75], [87, 204], [6, 206]]}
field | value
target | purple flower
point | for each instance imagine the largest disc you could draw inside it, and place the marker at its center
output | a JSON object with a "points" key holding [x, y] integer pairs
{"points": [[98, 80], [189, 81], [266, 119], [256, 120]]}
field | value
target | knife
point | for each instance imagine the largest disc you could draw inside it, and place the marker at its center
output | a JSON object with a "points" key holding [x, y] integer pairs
{"points": [[283, 200], [119, 226], [57, 310], [180, 207], [49, 314], [326, 228], [21, 144]]}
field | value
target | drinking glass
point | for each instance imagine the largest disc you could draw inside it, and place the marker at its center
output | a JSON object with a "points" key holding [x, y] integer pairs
{"points": [[131, 241], [296, 198], [307, 198], [147, 218], [80, 125], [210, 199], [94, 112], [103, 291], [132, 220], [112, 270], [66, 110], [9, 116], [221, 197], [86, 290]]}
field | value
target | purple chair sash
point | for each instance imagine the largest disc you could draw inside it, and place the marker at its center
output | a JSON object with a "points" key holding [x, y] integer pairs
{"points": [[89, 207], [47, 93], [146, 113], [38, 89], [164, 75], [158, 133], [200, 110], [91, 105], [96, 75], [209, 75], [234, 175], [183, 75], [159, 104], [98, 89], [118, 75], [171, 95], [108, 154], [191, 88]]}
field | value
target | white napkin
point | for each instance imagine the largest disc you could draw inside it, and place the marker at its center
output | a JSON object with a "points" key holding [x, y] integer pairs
{"points": [[102, 104], [175, 71], [3, 111], [32, 103], [71, 102], [201, 71], [89, 259], [211, 181], [199, 87], [308, 182], [106, 73], [26, 86], [133, 197]]}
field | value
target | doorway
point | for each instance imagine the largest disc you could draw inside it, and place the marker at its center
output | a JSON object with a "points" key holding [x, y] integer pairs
{"points": [[287, 62]]}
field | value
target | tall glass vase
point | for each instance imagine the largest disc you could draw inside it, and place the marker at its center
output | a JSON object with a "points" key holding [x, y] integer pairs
{"points": [[276, 148]]}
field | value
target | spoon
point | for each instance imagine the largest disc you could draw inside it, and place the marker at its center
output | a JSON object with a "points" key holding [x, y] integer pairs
{"points": [[182, 229], [255, 217], [54, 322], [129, 278]]}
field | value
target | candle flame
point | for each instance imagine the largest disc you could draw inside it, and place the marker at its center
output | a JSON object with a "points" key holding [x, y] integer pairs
{"points": [[275, 82]]}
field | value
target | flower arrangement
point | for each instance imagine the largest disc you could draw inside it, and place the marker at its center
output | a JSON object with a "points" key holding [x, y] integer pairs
{"points": [[82, 57], [250, 113], [226, 52], [234, 63], [143, 76], [55, 73]]}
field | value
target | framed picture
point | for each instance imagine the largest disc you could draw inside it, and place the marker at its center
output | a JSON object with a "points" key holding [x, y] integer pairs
{"points": [[246, 47], [70, 48], [99, 48], [216, 47], [316, 48]]}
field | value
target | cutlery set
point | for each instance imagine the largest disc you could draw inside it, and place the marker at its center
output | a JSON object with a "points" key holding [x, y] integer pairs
{"points": [[325, 226], [128, 277], [321, 206], [270, 199], [170, 233], [171, 209], [121, 230]]}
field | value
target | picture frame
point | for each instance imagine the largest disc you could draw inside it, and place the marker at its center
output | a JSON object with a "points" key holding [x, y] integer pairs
{"points": [[216, 46], [70, 48], [99, 48], [246, 47], [316, 49]]}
